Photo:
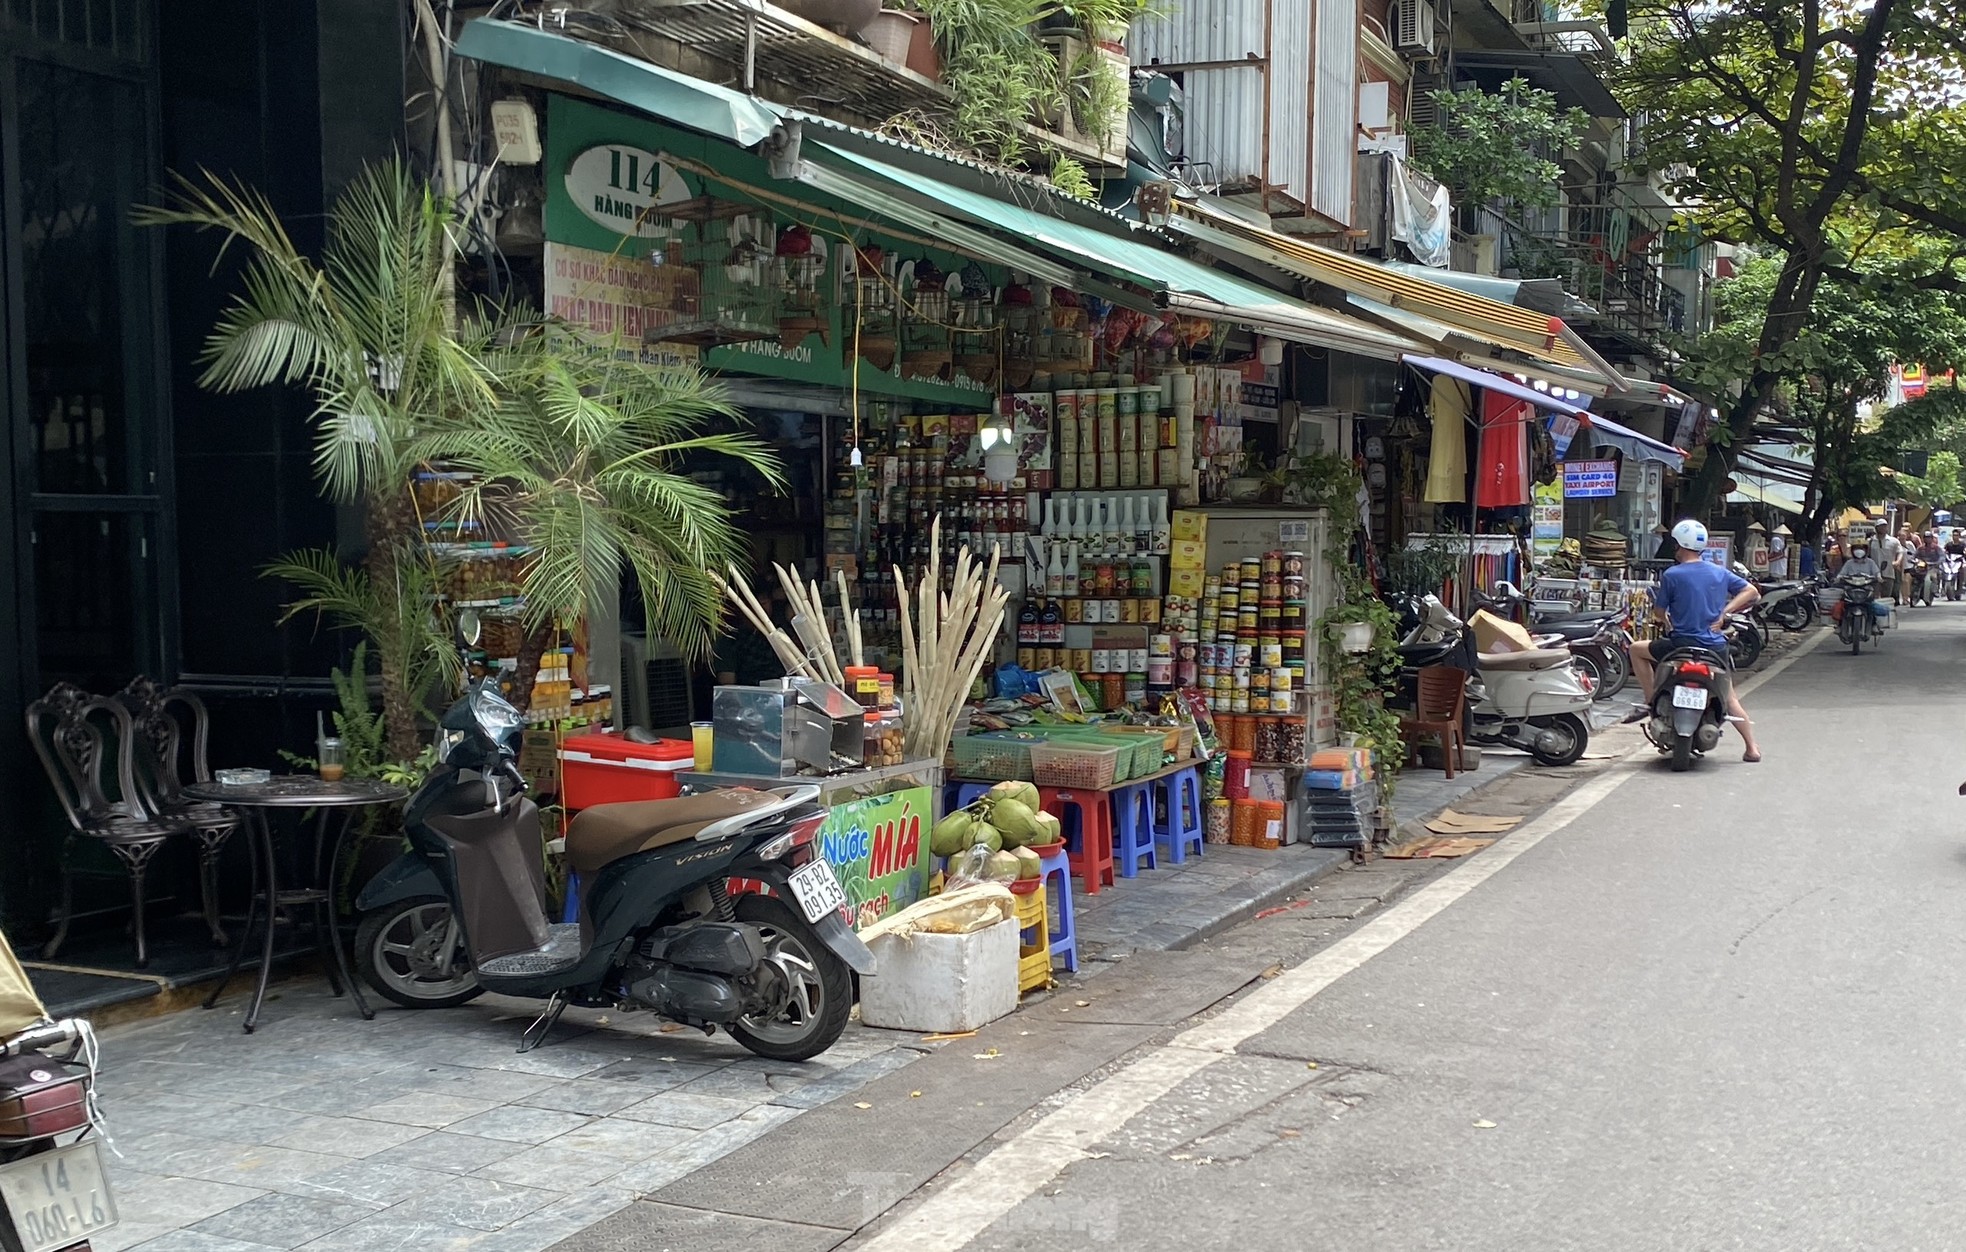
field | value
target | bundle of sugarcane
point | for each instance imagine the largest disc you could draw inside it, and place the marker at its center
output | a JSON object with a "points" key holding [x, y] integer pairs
{"points": [[817, 658], [946, 639], [739, 593]]}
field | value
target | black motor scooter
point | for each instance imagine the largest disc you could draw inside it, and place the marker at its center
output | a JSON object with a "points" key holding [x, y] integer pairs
{"points": [[464, 910], [1689, 703]]}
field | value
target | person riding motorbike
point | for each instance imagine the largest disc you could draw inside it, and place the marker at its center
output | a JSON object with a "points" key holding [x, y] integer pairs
{"points": [[1695, 597], [1860, 564]]}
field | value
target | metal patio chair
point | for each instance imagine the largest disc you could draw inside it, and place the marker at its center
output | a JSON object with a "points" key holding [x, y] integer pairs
{"points": [[79, 739], [159, 718]]}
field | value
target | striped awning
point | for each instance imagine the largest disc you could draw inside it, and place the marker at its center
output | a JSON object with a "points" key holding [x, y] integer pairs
{"points": [[1539, 335]]}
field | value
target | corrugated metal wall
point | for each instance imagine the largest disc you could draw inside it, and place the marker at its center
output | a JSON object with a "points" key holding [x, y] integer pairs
{"points": [[1226, 107], [1290, 97], [1334, 109]]}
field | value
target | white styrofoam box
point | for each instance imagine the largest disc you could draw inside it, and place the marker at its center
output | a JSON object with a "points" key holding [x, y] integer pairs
{"points": [[942, 983]]}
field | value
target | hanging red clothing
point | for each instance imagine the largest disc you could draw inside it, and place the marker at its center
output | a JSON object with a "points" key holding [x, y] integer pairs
{"points": [[1502, 470]]}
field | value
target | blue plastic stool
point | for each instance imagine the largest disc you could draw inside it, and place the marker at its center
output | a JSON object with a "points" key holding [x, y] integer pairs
{"points": [[1133, 828], [1181, 825], [1058, 887]]}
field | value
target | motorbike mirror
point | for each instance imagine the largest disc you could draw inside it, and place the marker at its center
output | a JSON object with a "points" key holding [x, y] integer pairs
{"points": [[469, 628]]}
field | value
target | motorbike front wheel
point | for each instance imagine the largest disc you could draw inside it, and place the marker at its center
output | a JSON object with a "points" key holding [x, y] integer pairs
{"points": [[820, 991], [411, 953], [1617, 670], [1745, 647], [1573, 734]]}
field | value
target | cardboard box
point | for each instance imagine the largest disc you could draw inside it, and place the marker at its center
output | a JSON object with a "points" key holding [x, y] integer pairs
{"points": [[1189, 524], [1188, 554], [1186, 583], [1497, 634]]}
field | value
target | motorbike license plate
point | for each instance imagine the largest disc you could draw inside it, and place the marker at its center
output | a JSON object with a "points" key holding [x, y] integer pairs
{"points": [[57, 1198], [1689, 697], [816, 890]]}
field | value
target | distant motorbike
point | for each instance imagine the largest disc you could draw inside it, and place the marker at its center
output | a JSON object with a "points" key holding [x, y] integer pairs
{"points": [[1789, 605], [1745, 639], [1689, 704], [1952, 575], [1923, 580], [1856, 622], [54, 1192]]}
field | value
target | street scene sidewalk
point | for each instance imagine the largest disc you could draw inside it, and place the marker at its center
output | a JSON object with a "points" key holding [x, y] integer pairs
{"points": [[428, 1129]]}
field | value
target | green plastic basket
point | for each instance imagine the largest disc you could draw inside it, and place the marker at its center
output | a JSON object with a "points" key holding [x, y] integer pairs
{"points": [[997, 756]]}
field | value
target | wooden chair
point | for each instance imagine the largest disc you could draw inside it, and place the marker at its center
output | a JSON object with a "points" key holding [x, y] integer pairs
{"points": [[162, 754], [80, 739], [1441, 711]]}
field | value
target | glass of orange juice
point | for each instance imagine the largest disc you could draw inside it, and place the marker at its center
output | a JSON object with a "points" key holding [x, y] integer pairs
{"points": [[334, 759]]}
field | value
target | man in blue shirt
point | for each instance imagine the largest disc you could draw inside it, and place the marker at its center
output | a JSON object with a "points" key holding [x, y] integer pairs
{"points": [[1695, 597]]}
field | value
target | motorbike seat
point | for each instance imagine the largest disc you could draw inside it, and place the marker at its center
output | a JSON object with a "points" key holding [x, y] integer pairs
{"points": [[608, 832], [1532, 659]]}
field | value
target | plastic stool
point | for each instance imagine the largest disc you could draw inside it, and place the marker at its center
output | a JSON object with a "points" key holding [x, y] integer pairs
{"points": [[1058, 889], [1087, 817], [1133, 828], [1182, 825], [958, 795]]}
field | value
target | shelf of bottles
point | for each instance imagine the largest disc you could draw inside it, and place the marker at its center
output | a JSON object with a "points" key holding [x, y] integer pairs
{"points": [[476, 569]]}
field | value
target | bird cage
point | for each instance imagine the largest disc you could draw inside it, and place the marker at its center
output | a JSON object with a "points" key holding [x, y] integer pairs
{"points": [[715, 275], [873, 279], [800, 273], [925, 317]]}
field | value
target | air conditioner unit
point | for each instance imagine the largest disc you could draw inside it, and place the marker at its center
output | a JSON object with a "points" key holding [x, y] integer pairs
{"points": [[1413, 27]]}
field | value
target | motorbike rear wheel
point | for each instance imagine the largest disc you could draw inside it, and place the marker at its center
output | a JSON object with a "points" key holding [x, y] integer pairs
{"points": [[1587, 664], [1574, 733], [1682, 754], [396, 953], [822, 992], [1791, 614]]}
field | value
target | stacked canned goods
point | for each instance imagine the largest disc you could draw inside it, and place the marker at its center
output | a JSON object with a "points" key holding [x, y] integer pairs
{"points": [[1250, 635]]}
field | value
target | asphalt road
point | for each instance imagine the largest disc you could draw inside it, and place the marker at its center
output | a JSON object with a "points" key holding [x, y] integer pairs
{"points": [[1712, 1011]]}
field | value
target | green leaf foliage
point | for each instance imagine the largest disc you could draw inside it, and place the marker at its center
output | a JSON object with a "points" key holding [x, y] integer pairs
{"points": [[1498, 148]]}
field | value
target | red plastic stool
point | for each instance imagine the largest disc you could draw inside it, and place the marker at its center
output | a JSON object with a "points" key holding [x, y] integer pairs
{"points": [[1087, 817]]}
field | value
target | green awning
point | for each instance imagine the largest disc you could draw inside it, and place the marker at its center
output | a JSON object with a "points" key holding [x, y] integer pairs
{"points": [[1188, 286], [703, 106]]}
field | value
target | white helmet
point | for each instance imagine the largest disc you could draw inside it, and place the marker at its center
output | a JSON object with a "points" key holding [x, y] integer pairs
{"points": [[1690, 535]]}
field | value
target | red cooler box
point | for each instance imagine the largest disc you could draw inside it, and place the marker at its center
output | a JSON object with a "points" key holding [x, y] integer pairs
{"points": [[604, 769]]}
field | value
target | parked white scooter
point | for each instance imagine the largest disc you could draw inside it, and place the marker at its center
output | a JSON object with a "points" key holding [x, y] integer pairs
{"points": [[1531, 700]]}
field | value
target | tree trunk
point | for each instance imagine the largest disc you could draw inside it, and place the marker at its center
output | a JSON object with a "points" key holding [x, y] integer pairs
{"points": [[391, 523], [531, 650], [1788, 313]]}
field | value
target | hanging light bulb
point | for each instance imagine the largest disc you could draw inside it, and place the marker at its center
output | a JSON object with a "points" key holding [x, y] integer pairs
{"points": [[999, 445]]}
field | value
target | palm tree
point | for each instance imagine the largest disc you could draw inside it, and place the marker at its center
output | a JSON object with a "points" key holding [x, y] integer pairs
{"points": [[578, 458], [584, 469]]}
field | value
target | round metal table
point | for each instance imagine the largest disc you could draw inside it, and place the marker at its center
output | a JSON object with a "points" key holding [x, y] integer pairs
{"points": [[255, 802]]}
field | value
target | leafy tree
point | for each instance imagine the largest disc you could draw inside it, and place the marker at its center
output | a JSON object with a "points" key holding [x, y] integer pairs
{"points": [[1486, 148], [1839, 361], [1939, 488], [1821, 131]]}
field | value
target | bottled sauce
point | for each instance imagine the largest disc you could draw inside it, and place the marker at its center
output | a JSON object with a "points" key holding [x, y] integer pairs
{"points": [[1054, 574], [1071, 579], [1051, 625], [1027, 624]]}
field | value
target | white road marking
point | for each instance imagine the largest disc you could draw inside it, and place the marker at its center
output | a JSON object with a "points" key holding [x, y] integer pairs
{"points": [[951, 1219]]}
